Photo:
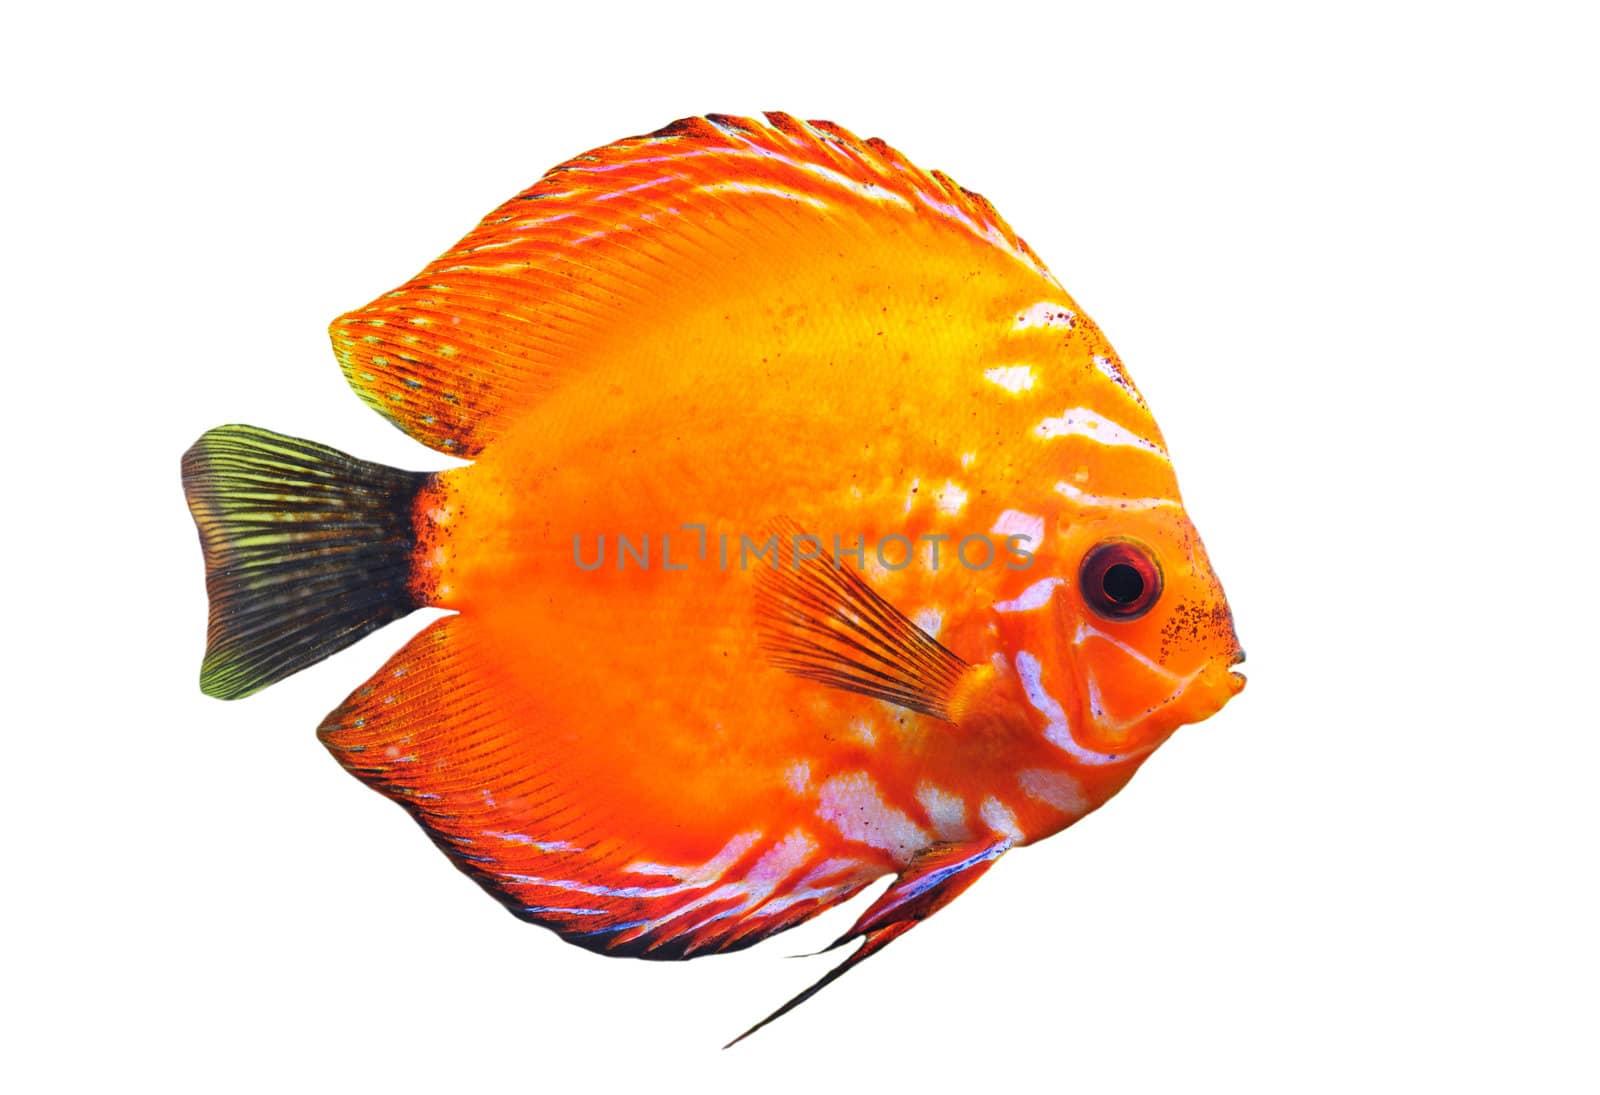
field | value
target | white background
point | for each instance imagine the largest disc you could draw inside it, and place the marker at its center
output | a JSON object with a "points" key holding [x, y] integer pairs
{"points": [[1348, 252]]}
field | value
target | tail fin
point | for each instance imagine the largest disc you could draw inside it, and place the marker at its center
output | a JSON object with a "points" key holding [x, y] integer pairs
{"points": [[307, 550]]}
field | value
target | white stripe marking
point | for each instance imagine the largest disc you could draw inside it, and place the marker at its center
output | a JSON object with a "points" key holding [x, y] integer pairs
{"points": [[947, 812], [1035, 596], [952, 500], [853, 805], [1084, 498], [752, 188], [1057, 732], [524, 838], [1000, 819], [774, 867], [1013, 522], [1054, 788], [1013, 378], [1085, 632], [707, 872], [1082, 422], [1045, 314], [866, 190], [806, 890]]}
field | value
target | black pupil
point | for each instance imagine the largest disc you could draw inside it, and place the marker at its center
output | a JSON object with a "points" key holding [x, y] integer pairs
{"points": [[1122, 583]]}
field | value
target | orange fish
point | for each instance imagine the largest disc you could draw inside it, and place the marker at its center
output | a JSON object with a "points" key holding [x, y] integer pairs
{"points": [[812, 533]]}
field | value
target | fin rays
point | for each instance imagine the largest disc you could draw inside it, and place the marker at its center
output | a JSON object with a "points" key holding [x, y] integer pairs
{"points": [[822, 621], [597, 238], [306, 549]]}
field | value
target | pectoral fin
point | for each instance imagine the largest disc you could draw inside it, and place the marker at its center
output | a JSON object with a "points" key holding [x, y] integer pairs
{"points": [[936, 877], [817, 618]]}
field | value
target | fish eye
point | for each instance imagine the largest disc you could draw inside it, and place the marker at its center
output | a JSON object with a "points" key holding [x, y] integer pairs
{"points": [[1119, 580]]}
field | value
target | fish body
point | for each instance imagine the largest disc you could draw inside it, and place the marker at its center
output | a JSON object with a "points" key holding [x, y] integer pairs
{"points": [[811, 533]]}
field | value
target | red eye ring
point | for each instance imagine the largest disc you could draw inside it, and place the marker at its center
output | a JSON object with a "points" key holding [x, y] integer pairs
{"points": [[1119, 580]]}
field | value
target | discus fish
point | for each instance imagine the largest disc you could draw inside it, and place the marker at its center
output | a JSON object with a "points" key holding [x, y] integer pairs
{"points": [[811, 533]]}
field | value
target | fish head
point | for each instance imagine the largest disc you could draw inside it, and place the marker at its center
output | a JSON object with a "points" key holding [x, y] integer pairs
{"points": [[1126, 637]]}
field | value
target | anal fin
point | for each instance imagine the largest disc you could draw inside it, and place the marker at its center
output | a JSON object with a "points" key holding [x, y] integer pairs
{"points": [[456, 732], [933, 879]]}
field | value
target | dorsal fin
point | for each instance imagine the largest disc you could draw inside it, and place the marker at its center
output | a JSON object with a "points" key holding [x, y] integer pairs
{"points": [[534, 291]]}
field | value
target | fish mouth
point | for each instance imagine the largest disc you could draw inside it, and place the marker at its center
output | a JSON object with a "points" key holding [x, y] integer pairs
{"points": [[1236, 678]]}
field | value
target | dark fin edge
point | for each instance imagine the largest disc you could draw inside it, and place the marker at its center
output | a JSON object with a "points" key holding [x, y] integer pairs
{"points": [[307, 550]]}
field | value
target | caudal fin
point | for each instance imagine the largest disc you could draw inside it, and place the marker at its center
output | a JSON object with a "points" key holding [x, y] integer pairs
{"points": [[307, 550]]}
